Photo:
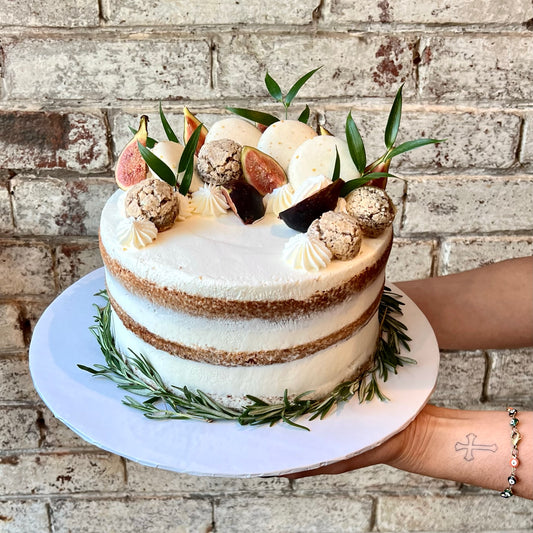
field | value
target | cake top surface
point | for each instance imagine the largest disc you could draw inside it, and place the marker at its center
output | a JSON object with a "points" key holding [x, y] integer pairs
{"points": [[220, 257]]}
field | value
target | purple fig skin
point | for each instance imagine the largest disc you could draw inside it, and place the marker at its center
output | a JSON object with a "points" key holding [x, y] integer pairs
{"points": [[261, 170], [301, 215], [244, 200]]}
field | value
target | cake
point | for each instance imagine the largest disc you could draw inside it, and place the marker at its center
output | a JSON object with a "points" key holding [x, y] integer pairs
{"points": [[267, 280]]}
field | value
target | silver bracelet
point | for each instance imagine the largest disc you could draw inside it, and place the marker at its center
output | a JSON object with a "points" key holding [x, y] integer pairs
{"points": [[514, 462]]}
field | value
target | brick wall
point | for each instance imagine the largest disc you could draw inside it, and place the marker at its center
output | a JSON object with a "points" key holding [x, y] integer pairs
{"points": [[75, 74]]}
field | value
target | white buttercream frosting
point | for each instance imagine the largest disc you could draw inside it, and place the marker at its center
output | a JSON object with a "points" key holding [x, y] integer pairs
{"points": [[279, 199], [133, 233], [309, 187], [306, 253], [209, 201]]}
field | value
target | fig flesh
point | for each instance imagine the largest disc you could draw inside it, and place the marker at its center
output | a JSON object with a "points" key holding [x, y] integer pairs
{"points": [[190, 123], [261, 171], [301, 215], [131, 167], [244, 200]]}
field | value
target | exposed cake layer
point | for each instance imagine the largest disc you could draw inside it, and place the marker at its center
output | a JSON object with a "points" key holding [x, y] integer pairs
{"points": [[237, 341], [220, 267], [319, 373]]}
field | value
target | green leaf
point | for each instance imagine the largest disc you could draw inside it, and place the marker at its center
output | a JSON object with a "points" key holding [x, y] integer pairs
{"points": [[158, 166], [304, 115], [411, 145], [254, 116], [186, 163], [273, 88], [150, 143], [355, 144], [349, 186], [171, 136], [393, 123], [293, 91], [337, 167]]}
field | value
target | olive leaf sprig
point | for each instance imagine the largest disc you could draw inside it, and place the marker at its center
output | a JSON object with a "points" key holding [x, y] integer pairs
{"points": [[379, 168], [186, 162], [136, 375], [266, 119]]}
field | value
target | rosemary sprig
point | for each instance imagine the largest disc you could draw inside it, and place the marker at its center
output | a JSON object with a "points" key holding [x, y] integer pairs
{"points": [[136, 375]]}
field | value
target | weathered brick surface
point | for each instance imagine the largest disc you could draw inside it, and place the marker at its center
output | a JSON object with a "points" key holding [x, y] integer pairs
{"points": [[468, 205], [149, 69], [458, 254], [18, 428], [25, 269], [67, 473], [81, 13], [51, 140], [440, 11], [15, 381], [468, 513], [134, 12], [494, 66], [129, 516], [143, 479], [383, 63], [410, 260], [309, 515], [527, 148], [19, 516], [11, 335], [6, 217], [511, 376], [54, 206], [461, 380], [75, 260]]}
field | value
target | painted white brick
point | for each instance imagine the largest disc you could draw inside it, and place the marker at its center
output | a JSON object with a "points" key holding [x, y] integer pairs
{"points": [[81, 13], [181, 12], [61, 473], [53, 206], [154, 515], [494, 66], [459, 254], [11, 335], [15, 381], [18, 428], [383, 63], [410, 260], [75, 260], [74, 68], [436, 12], [6, 218], [309, 515], [527, 148], [467, 204], [19, 516]]}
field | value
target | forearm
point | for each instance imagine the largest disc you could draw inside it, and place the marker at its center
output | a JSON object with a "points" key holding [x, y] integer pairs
{"points": [[472, 447], [489, 307]]}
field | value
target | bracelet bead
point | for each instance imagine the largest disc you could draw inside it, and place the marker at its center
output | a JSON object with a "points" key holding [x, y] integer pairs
{"points": [[514, 462]]}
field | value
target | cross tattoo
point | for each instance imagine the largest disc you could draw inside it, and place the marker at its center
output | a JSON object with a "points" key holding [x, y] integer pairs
{"points": [[470, 446]]}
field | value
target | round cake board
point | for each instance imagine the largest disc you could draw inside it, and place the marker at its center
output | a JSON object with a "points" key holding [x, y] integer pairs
{"points": [[91, 406]]}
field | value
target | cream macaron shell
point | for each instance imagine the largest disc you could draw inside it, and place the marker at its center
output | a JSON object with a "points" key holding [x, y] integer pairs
{"points": [[238, 130], [281, 139], [170, 152], [317, 156]]}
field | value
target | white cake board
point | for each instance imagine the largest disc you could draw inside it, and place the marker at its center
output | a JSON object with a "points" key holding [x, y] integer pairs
{"points": [[92, 408]]}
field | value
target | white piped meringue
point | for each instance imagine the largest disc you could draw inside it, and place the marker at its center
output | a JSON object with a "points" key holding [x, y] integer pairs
{"points": [[309, 187], [185, 207], [209, 201], [136, 233], [306, 253], [279, 199]]}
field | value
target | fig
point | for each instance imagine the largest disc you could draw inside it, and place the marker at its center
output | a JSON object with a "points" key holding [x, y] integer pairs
{"points": [[301, 215], [190, 123], [261, 171], [261, 127], [244, 200], [381, 183], [131, 167]]}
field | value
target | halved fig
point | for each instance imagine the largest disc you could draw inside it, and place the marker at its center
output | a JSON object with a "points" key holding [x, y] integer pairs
{"points": [[190, 123], [301, 215], [131, 167], [261, 171], [244, 200]]}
